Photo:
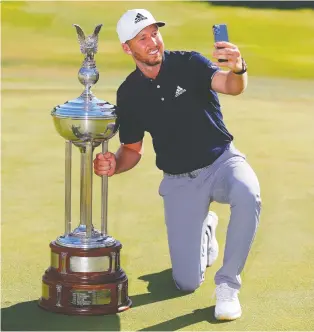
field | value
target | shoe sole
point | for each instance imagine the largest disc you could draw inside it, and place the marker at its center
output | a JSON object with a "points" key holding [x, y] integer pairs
{"points": [[213, 258], [225, 317], [213, 239]]}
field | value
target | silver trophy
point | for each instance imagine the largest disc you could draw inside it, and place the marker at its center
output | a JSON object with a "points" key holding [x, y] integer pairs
{"points": [[85, 276]]}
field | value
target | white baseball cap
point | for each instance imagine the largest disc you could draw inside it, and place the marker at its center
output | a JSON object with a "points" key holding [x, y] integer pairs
{"points": [[134, 21]]}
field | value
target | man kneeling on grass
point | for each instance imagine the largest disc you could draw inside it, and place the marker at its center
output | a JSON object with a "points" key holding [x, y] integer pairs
{"points": [[173, 96]]}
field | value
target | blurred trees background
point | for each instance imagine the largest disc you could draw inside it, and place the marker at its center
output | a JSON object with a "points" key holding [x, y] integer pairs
{"points": [[266, 4]]}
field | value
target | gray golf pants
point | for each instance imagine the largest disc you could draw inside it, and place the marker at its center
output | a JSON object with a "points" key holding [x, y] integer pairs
{"points": [[187, 197]]}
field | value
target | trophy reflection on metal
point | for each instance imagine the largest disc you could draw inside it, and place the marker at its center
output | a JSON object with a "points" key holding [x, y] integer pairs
{"points": [[85, 276]]}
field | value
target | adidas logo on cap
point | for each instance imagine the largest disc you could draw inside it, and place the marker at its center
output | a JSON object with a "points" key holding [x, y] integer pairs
{"points": [[139, 17]]}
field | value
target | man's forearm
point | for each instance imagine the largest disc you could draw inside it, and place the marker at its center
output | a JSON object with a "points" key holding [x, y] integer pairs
{"points": [[236, 84], [126, 159]]}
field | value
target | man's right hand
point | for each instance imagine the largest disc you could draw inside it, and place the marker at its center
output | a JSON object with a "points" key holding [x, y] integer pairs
{"points": [[105, 164]]}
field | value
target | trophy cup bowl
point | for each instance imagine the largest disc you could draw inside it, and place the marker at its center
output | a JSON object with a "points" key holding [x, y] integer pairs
{"points": [[76, 125], [85, 276]]}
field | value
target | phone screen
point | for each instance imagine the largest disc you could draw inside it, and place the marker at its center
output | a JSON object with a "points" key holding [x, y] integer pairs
{"points": [[220, 32]]}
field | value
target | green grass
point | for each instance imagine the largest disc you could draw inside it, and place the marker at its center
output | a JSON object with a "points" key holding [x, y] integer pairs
{"points": [[272, 123]]}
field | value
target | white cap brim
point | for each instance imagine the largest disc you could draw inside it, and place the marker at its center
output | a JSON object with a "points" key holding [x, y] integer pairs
{"points": [[140, 28]]}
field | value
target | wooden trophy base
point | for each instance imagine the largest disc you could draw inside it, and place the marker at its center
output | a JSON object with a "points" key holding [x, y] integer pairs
{"points": [[85, 281]]}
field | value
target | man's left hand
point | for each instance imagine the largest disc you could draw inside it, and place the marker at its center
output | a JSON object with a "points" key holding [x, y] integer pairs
{"points": [[228, 52]]}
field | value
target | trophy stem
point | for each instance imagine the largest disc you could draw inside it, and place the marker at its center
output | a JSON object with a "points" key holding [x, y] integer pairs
{"points": [[68, 166], [87, 184], [104, 195], [82, 192]]}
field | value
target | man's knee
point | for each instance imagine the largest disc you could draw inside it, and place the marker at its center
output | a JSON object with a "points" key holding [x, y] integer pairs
{"points": [[187, 285], [246, 195]]}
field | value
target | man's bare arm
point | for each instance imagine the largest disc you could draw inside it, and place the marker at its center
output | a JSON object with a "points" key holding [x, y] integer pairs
{"points": [[128, 156], [229, 83]]}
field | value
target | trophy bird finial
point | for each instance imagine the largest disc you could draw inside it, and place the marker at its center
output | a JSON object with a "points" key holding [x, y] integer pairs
{"points": [[88, 45]]}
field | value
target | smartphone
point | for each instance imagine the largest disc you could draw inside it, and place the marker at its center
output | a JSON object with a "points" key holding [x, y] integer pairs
{"points": [[220, 32]]}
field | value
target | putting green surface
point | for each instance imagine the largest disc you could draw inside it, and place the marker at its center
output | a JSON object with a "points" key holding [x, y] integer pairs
{"points": [[272, 123]]}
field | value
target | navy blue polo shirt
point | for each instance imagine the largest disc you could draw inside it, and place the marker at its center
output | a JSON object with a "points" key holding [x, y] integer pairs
{"points": [[179, 110]]}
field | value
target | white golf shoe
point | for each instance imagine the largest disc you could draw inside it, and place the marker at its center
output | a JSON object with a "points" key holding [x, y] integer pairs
{"points": [[210, 233], [227, 303]]}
